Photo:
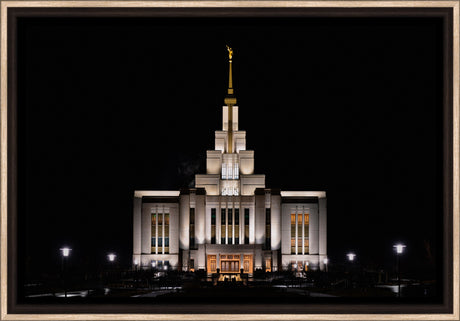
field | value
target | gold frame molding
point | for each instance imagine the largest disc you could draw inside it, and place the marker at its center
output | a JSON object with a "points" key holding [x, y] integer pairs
{"points": [[454, 5]]}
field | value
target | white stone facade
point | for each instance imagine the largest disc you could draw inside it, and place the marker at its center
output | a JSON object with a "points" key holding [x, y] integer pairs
{"points": [[230, 220]]}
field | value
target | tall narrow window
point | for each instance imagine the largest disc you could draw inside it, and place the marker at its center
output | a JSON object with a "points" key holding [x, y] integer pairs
{"points": [[293, 237], [223, 230], [299, 233], [224, 171], [230, 223], [305, 233], [229, 171], [213, 226], [154, 233], [160, 233], [246, 226], [267, 228], [236, 172], [237, 226], [166, 251], [192, 228]]}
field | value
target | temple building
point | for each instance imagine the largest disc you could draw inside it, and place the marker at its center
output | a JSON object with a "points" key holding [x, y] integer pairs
{"points": [[230, 222]]}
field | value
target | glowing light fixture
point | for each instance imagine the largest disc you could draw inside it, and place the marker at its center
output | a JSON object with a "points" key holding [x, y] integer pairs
{"points": [[65, 251], [111, 257], [399, 248], [351, 256]]}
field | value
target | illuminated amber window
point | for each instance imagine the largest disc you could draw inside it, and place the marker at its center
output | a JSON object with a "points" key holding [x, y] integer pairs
{"points": [[307, 246], [299, 225], [306, 224], [293, 245]]}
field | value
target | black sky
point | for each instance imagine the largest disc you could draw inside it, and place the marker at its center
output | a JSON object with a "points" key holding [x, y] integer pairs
{"points": [[349, 106]]}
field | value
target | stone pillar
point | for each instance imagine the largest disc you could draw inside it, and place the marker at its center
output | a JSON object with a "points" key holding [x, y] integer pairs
{"points": [[259, 226], [137, 225], [313, 231], [173, 229], [275, 222], [286, 229], [146, 246], [208, 224], [184, 222], [252, 223], [201, 257], [200, 219], [322, 230]]}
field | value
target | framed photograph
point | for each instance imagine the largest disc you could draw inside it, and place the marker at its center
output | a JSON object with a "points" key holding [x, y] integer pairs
{"points": [[247, 160]]}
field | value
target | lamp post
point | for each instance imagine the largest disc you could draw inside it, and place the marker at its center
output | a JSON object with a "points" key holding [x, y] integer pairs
{"points": [[351, 257], [111, 257], [326, 261], [65, 252], [399, 251]]}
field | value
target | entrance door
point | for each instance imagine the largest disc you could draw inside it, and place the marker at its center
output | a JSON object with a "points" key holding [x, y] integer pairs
{"points": [[212, 264], [247, 264], [268, 265], [230, 263]]}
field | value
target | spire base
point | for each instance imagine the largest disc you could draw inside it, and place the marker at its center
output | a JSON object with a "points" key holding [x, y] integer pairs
{"points": [[230, 101]]}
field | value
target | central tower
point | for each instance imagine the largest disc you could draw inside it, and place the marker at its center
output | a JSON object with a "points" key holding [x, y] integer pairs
{"points": [[230, 167]]}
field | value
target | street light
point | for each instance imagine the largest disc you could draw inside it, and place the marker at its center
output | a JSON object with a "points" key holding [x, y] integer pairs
{"points": [[399, 250], [351, 256], [111, 257], [326, 261], [65, 252]]}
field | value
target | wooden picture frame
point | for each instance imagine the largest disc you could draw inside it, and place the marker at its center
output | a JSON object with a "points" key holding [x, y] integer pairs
{"points": [[446, 10]]}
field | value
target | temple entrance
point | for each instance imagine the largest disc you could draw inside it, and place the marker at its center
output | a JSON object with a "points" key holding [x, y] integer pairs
{"points": [[230, 264]]}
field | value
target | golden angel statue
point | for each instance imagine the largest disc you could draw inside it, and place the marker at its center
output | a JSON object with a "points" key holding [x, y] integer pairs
{"points": [[230, 52]]}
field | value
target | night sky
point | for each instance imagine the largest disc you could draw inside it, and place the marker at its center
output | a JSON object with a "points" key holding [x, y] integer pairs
{"points": [[349, 106]]}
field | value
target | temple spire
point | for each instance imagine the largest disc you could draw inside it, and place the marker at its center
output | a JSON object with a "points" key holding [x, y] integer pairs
{"points": [[230, 100]]}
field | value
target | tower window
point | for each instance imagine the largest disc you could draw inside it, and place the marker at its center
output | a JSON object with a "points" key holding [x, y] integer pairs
{"points": [[267, 228], [192, 228], [213, 226], [223, 231], [246, 226], [224, 171]]}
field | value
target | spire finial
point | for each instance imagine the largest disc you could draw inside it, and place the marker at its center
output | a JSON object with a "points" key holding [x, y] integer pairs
{"points": [[230, 53], [230, 100]]}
